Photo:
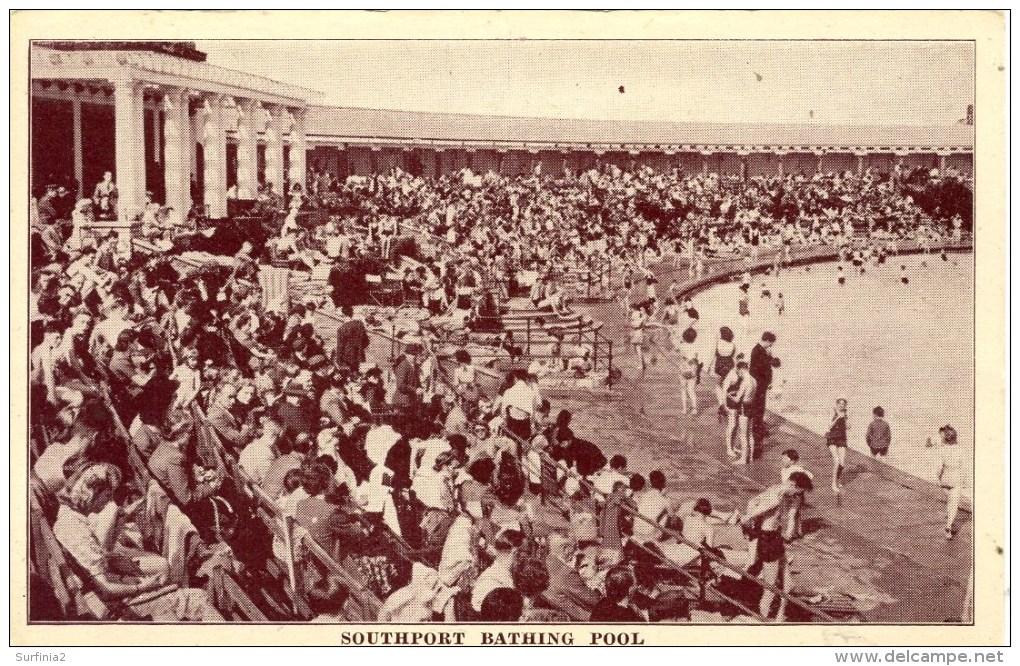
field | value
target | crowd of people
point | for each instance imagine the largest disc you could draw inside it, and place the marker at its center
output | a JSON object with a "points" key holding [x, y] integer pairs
{"points": [[151, 379]]}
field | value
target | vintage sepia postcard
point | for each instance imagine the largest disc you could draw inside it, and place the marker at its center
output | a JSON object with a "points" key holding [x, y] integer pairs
{"points": [[435, 328]]}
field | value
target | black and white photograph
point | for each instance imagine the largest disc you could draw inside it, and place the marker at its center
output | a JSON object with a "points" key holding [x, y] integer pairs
{"points": [[561, 332]]}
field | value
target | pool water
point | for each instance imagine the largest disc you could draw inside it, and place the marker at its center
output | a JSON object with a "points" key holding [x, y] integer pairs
{"points": [[873, 340]]}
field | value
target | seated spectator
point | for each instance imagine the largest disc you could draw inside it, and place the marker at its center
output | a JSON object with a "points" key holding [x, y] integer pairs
{"points": [[531, 580], [500, 573], [291, 457], [616, 606], [327, 522], [234, 433], [653, 504], [326, 600], [503, 604], [567, 592], [605, 479], [258, 456], [90, 526]]}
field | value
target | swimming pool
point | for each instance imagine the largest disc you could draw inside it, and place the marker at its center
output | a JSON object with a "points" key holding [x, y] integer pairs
{"points": [[873, 340]]}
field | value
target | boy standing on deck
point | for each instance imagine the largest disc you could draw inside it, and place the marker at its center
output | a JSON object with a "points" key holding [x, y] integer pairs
{"points": [[879, 434]]}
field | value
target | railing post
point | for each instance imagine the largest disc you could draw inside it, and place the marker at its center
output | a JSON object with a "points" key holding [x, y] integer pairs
{"points": [[610, 361], [595, 352], [702, 578], [527, 329]]}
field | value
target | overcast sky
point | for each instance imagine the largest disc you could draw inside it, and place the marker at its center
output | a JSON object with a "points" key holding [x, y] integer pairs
{"points": [[911, 83]]}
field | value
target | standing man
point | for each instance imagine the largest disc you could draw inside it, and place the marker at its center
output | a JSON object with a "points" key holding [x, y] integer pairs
{"points": [[950, 475], [104, 197], [763, 523], [739, 387], [407, 397], [760, 369], [351, 340]]}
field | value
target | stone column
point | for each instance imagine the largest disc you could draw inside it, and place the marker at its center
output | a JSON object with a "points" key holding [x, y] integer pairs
{"points": [[942, 164], [298, 149], [247, 149], [129, 139], [79, 163], [704, 164], [177, 150], [274, 148], [214, 153], [860, 163], [779, 165], [196, 133]]}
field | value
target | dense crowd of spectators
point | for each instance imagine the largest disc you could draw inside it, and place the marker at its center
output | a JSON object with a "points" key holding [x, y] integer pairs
{"points": [[455, 499]]}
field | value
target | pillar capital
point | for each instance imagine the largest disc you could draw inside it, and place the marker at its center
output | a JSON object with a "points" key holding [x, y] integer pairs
{"points": [[127, 84], [173, 98]]}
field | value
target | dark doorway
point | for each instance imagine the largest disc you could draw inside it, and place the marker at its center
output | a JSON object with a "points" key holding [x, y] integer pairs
{"points": [[260, 163], [231, 165], [98, 144], [52, 143]]}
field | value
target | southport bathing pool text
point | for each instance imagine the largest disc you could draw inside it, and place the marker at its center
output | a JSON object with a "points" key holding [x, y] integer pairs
{"points": [[490, 638]]}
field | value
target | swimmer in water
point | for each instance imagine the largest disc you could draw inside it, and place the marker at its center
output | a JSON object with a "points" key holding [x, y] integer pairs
{"points": [[903, 275], [842, 278], [780, 305]]}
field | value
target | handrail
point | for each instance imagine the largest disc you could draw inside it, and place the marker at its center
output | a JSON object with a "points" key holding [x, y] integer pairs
{"points": [[676, 535]]}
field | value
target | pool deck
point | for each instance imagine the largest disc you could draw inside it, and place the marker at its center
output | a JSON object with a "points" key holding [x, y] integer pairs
{"points": [[882, 546]]}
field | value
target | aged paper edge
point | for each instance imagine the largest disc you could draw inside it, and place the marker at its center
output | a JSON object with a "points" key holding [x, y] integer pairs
{"points": [[985, 28]]}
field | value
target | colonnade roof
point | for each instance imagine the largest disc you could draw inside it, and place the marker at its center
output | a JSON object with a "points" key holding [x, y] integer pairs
{"points": [[359, 126], [162, 69]]}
